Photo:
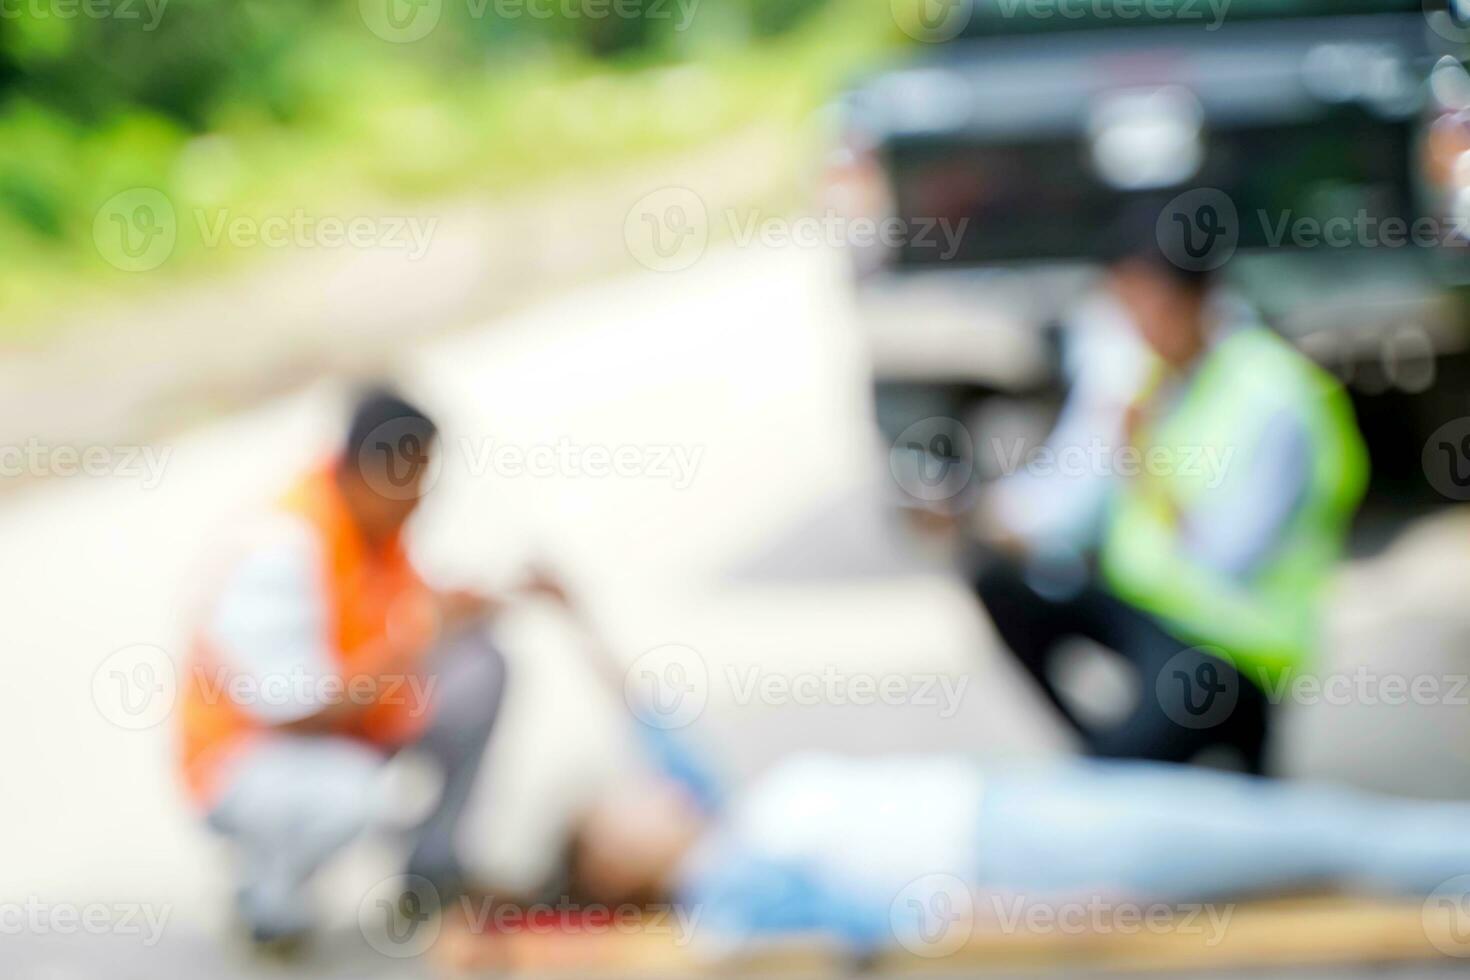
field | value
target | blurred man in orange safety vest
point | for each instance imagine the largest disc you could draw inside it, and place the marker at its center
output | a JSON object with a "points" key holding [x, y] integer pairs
{"points": [[321, 652]]}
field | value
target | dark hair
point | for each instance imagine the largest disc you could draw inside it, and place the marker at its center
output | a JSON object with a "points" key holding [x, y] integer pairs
{"points": [[381, 413], [1143, 232]]}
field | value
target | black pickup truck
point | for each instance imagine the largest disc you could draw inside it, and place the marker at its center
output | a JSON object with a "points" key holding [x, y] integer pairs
{"points": [[1307, 136]]}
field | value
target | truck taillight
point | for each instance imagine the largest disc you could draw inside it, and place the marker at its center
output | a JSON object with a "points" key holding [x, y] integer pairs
{"points": [[1446, 151]]}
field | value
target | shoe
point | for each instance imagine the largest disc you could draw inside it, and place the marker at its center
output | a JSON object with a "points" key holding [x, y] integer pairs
{"points": [[440, 868], [279, 937], [279, 946]]}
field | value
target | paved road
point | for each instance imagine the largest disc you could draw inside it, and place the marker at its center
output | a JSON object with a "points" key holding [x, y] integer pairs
{"points": [[751, 533]]}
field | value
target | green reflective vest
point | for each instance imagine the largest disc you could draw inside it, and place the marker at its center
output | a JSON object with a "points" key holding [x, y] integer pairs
{"points": [[1266, 621]]}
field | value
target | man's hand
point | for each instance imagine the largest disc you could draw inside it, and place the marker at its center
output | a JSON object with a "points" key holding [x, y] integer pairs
{"points": [[460, 606]]}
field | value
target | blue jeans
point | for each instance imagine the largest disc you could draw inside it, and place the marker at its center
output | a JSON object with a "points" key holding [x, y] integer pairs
{"points": [[1175, 833]]}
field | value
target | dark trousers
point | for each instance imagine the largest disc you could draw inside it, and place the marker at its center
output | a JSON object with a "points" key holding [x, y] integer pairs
{"points": [[1188, 699]]}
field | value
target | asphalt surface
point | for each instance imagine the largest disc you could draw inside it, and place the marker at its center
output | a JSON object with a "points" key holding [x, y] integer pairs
{"points": [[769, 549]]}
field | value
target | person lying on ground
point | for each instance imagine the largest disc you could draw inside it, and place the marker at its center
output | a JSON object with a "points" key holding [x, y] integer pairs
{"points": [[872, 852]]}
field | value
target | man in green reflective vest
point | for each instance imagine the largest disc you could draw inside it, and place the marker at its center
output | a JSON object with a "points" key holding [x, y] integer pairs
{"points": [[1236, 481]]}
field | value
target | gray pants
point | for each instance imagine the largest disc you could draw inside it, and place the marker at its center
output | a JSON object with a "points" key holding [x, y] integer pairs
{"points": [[292, 801]]}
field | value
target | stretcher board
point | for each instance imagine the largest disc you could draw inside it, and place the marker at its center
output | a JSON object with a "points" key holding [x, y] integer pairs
{"points": [[1282, 933]]}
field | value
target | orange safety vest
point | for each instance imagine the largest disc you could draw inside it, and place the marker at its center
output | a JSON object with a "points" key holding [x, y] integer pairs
{"points": [[371, 596]]}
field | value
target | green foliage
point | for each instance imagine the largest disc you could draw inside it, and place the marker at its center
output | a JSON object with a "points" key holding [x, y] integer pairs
{"points": [[259, 105]]}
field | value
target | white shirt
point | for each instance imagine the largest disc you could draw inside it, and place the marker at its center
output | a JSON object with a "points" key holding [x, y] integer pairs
{"points": [[873, 824], [268, 623]]}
